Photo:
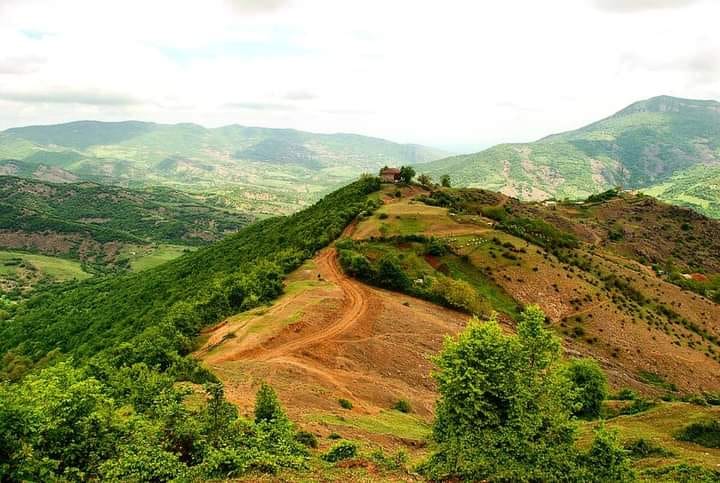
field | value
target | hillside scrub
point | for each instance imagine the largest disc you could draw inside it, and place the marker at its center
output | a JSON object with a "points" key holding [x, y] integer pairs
{"points": [[388, 272], [505, 411], [705, 433]]}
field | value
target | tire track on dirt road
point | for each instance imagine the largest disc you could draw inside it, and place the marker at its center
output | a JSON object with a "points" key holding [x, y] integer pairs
{"points": [[355, 306]]}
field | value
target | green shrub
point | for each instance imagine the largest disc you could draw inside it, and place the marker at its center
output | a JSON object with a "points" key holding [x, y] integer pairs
{"points": [[639, 405], [267, 406], [712, 398], [590, 386], [606, 460], [356, 265], [334, 436], [705, 433], [306, 438], [345, 404], [391, 275], [643, 448], [403, 406], [394, 462], [341, 451], [459, 294], [435, 248], [497, 213], [625, 394], [604, 196], [504, 412]]}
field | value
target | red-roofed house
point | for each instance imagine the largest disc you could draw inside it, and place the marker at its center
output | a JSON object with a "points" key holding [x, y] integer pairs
{"points": [[390, 175]]}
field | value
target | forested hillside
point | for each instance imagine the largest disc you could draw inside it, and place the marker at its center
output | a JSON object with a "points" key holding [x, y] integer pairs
{"points": [[240, 271], [102, 214], [126, 337]]}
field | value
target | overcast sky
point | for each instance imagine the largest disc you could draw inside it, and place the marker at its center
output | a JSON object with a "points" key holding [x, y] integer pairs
{"points": [[454, 74]]}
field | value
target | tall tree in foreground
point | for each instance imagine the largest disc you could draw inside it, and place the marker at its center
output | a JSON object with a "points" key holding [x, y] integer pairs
{"points": [[505, 408]]}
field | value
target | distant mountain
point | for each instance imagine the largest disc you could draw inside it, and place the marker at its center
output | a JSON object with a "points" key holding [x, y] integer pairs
{"points": [[644, 144], [266, 170]]}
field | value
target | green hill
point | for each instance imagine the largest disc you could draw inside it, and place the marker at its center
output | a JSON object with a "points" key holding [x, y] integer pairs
{"points": [[642, 145], [697, 188], [92, 222], [241, 271], [261, 169]]}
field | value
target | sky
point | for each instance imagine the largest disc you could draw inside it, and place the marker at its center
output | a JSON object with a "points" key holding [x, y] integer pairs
{"points": [[461, 75]]}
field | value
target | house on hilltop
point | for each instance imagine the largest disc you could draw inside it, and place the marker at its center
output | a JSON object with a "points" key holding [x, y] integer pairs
{"points": [[390, 175]]}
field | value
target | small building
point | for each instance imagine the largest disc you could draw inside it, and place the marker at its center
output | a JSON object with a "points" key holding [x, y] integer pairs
{"points": [[390, 175]]}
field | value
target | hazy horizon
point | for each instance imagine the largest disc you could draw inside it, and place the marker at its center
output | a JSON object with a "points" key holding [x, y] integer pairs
{"points": [[456, 75]]}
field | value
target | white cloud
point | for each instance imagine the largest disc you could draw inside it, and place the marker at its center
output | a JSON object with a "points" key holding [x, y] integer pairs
{"points": [[640, 5], [70, 96], [445, 73], [257, 6]]}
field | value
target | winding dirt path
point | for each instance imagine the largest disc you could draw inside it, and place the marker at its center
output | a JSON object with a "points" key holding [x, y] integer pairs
{"points": [[355, 303]]}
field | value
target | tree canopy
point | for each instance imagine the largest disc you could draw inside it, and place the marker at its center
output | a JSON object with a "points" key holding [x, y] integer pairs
{"points": [[505, 407]]}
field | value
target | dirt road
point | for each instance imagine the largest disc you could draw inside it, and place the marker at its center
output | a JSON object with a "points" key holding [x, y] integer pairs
{"points": [[355, 305]]}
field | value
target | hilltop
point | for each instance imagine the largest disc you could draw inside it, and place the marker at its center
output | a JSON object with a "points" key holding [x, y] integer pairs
{"points": [[262, 170], [645, 144]]}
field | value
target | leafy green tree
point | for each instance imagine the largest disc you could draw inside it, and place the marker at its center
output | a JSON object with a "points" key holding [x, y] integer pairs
{"points": [[445, 181], [590, 385], [425, 180], [407, 173], [606, 460], [505, 409], [391, 275], [220, 413], [267, 405]]}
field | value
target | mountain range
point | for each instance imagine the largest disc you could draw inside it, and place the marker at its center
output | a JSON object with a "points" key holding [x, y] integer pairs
{"points": [[264, 170], [664, 145]]}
